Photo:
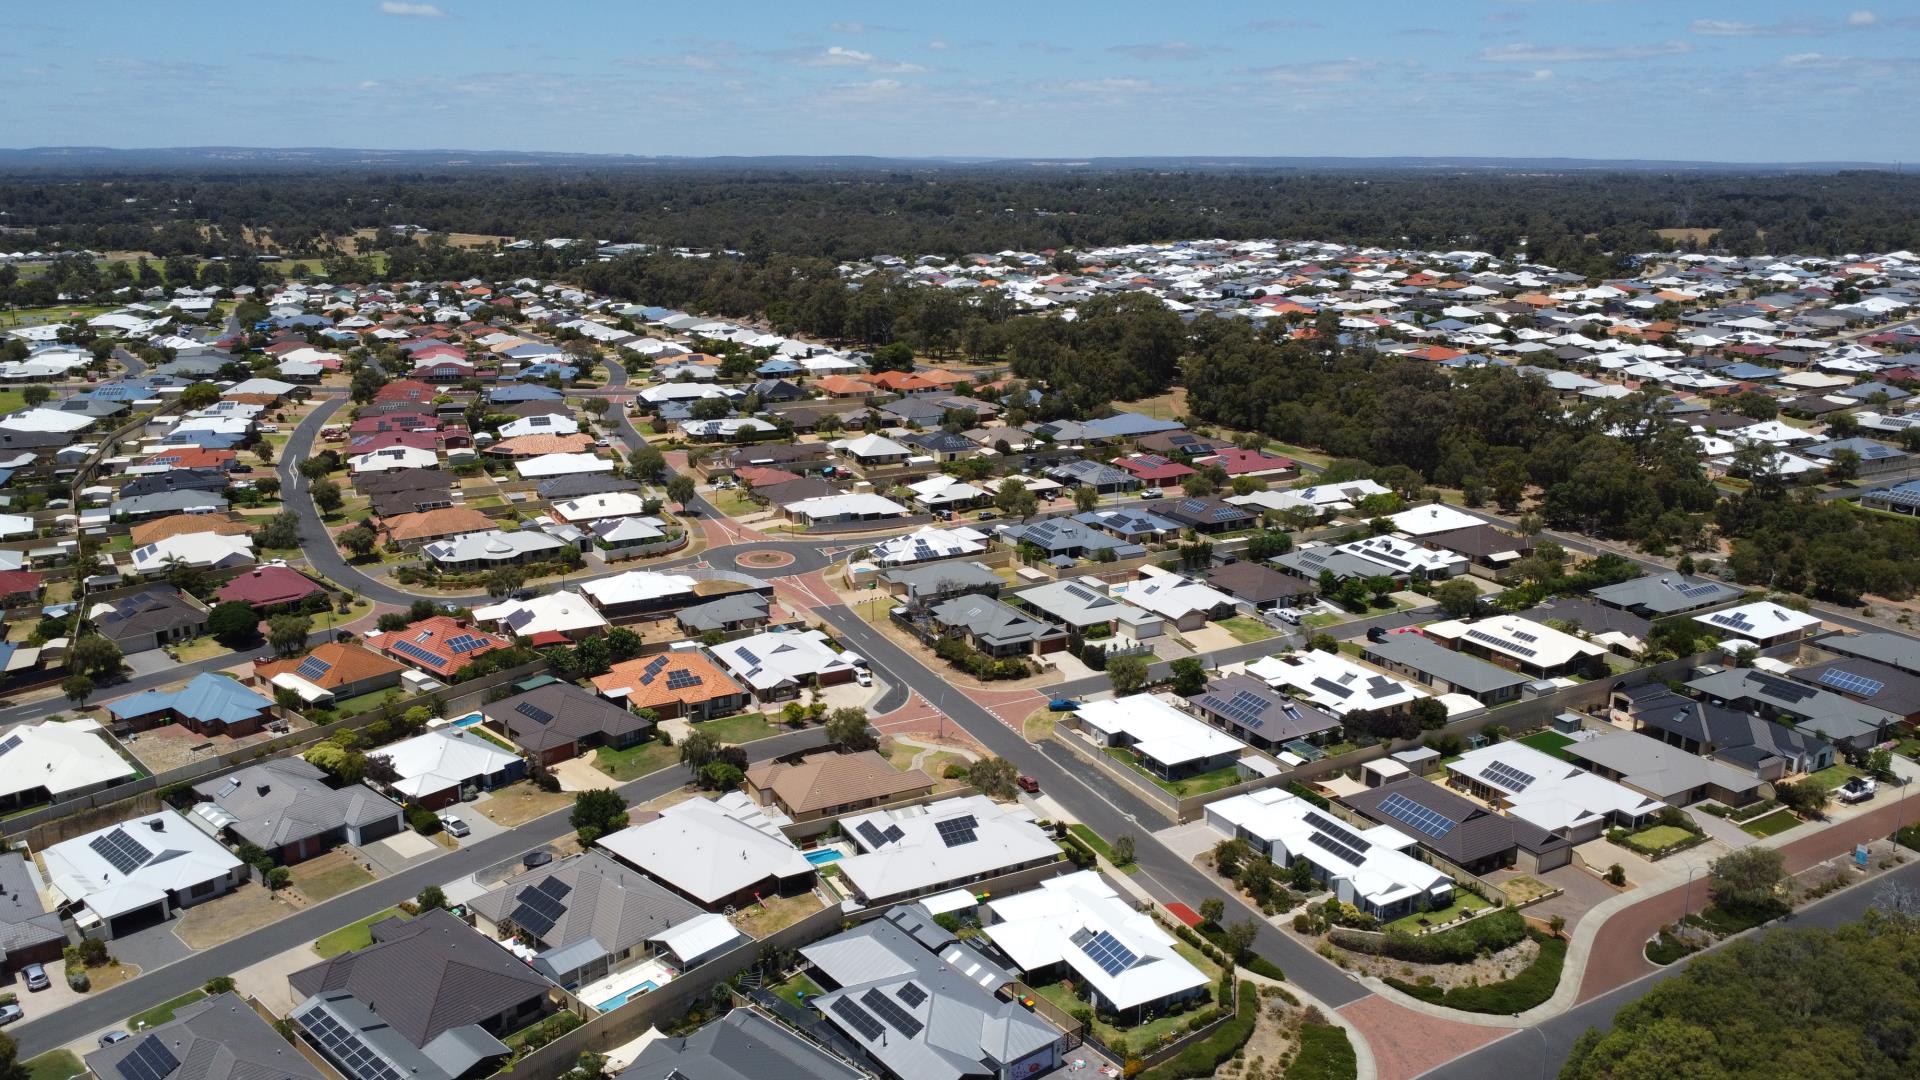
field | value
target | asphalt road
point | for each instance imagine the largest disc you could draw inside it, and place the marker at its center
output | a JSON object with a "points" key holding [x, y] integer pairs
{"points": [[109, 1008], [1540, 1050], [1106, 808]]}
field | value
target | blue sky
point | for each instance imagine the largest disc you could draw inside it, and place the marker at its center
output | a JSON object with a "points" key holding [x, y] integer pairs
{"points": [[1756, 80]]}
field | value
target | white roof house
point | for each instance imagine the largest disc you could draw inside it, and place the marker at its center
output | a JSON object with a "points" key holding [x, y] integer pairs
{"points": [[541, 424], [1552, 794], [1076, 919], [605, 505], [394, 458], [1333, 683], [557, 612], [939, 491], [561, 465], [778, 661], [63, 759], [856, 507], [1436, 518], [205, 550], [47, 421], [927, 543], [1369, 868], [1158, 731], [871, 446], [156, 859], [636, 587], [443, 759], [930, 848], [1535, 647], [1174, 598], [1762, 622], [1320, 498], [492, 546], [709, 850]]}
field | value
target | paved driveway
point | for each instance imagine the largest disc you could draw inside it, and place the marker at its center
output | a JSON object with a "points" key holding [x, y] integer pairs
{"points": [[156, 946], [400, 851], [149, 662]]}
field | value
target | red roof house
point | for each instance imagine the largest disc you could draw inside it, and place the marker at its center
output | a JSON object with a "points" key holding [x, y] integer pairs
{"points": [[439, 645], [1153, 470], [266, 587], [1238, 462]]}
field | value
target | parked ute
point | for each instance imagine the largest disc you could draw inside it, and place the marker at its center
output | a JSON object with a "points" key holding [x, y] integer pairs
{"points": [[1857, 789]]}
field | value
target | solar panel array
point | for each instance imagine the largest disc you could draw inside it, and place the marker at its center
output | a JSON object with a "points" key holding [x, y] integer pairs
{"points": [[1737, 620], [1338, 848], [347, 1050], [911, 993], [408, 648], [681, 678], [1704, 588], [313, 668], [540, 906], [1507, 776], [870, 834], [957, 831], [1844, 681], [151, 1060], [1105, 950], [1499, 642], [856, 1018], [466, 643], [747, 654], [1336, 830], [896, 1017], [533, 712], [121, 851], [9, 743], [1401, 808], [1245, 707], [652, 670]]}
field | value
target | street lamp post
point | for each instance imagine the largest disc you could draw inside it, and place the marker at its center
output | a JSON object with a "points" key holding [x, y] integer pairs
{"points": [[1687, 903]]}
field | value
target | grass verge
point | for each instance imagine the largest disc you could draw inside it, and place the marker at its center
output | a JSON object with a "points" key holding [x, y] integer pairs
{"points": [[637, 760], [164, 1011], [352, 936]]}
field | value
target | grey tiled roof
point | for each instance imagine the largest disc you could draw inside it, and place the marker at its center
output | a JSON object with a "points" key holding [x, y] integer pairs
{"points": [[742, 1045], [605, 903], [221, 1038], [287, 800]]}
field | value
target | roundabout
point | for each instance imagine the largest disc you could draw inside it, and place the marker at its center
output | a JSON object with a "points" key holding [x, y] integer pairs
{"points": [[764, 559]]}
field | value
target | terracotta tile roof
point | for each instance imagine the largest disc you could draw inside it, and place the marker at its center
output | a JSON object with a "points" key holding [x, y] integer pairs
{"points": [[831, 779], [842, 384], [900, 381], [536, 445], [191, 457], [147, 532], [406, 390], [433, 524], [759, 476], [651, 690], [425, 644], [266, 586], [346, 662]]}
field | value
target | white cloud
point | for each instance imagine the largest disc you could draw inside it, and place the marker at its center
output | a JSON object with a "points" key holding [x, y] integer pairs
{"points": [[842, 56], [1807, 59], [1523, 53], [1730, 28], [1113, 85], [1862, 18], [416, 11], [1160, 50], [937, 45], [1327, 71]]}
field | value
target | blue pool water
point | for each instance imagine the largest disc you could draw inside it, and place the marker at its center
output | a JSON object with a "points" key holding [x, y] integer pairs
{"points": [[822, 858], [467, 721], [626, 995]]}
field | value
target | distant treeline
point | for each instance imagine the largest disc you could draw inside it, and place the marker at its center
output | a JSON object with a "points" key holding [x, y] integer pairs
{"points": [[1580, 221]]}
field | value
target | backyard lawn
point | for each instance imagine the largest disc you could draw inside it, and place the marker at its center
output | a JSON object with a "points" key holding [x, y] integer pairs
{"points": [[1245, 629], [1197, 784], [734, 730], [54, 1065], [1771, 824], [163, 1012], [1548, 742], [797, 990], [1138, 1038], [635, 761], [367, 702], [1464, 903], [1834, 775], [774, 913], [353, 936]]}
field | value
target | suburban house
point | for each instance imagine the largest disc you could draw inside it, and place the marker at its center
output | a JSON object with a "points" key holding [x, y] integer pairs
{"points": [[1880, 646], [1333, 683], [1416, 656], [1554, 795], [745, 1044], [1256, 714], [1167, 741], [205, 551], [586, 917], [1154, 471], [832, 783], [843, 509], [52, 761], [1869, 682], [1533, 649], [1768, 750], [557, 721], [923, 1004], [285, 807], [718, 853], [218, 1038], [1062, 540], [925, 544], [1180, 602], [1663, 771], [917, 850], [778, 664], [269, 589], [1259, 587], [1841, 720], [726, 614], [1208, 515], [429, 999], [638, 594], [556, 618], [138, 873], [416, 528], [1368, 868], [149, 619], [1459, 830], [928, 582], [1762, 623], [1075, 926], [339, 668], [679, 682], [492, 549], [1370, 557], [208, 705], [439, 645], [29, 933], [994, 628], [434, 768]]}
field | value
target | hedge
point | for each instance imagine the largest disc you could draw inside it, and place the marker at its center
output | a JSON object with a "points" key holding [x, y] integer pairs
{"points": [[1203, 1057], [1253, 961], [1458, 945], [1518, 994], [1309, 794], [1325, 1054]]}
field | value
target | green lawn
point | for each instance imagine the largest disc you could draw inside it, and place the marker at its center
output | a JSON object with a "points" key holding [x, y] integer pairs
{"points": [[1771, 824], [164, 1011], [1548, 742], [1658, 838], [1140, 1038], [744, 728], [1834, 775], [1245, 629], [635, 761], [353, 936], [367, 702], [55, 1065], [1464, 903], [1100, 846], [796, 990], [733, 503], [12, 401], [1197, 784]]}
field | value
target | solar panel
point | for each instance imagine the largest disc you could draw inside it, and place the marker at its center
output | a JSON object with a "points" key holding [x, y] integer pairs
{"points": [[746, 654], [467, 643], [856, 1018], [151, 1060], [9, 743], [681, 678], [1736, 620], [1403, 809], [121, 851], [1106, 951], [870, 834], [1844, 681], [1499, 643], [555, 888], [533, 712], [955, 832], [533, 922], [1507, 776], [1705, 588], [890, 1011], [313, 668], [1337, 831], [911, 994], [408, 648], [894, 832], [347, 1049], [1329, 843]]}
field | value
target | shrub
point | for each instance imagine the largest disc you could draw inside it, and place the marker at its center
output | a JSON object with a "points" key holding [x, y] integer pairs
{"points": [[422, 821], [92, 952], [78, 981], [1909, 836], [1203, 1057], [1458, 945], [279, 878], [1325, 1054], [219, 984], [1530, 987], [1617, 875], [1308, 794]]}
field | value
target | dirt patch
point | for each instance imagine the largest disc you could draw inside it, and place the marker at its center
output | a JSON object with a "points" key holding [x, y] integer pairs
{"points": [[775, 913], [165, 748], [321, 879], [1498, 967], [108, 976], [1698, 236], [517, 804], [234, 915]]}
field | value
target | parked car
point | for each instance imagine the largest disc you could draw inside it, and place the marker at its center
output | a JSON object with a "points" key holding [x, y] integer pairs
{"points": [[988, 515], [1153, 493], [1063, 704], [454, 825], [9, 1013], [1857, 789], [1028, 784], [863, 676], [36, 976], [114, 1036]]}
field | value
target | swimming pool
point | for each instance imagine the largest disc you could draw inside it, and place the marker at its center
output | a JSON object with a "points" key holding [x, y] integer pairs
{"points": [[467, 721], [626, 995], [823, 856]]}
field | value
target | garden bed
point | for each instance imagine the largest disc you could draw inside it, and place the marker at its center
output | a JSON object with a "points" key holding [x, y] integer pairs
{"points": [[1530, 986]]}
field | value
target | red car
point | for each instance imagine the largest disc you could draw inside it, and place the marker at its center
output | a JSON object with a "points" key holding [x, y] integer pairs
{"points": [[1029, 785]]}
